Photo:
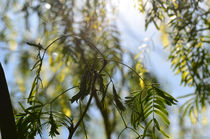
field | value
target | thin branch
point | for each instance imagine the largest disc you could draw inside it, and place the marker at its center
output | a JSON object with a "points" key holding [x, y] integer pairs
{"points": [[83, 124], [59, 95], [62, 93], [72, 129], [127, 67], [114, 103], [130, 129], [89, 43]]}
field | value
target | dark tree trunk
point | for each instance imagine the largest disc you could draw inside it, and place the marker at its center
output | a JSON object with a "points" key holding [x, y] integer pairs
{"points": [[7, 121]]}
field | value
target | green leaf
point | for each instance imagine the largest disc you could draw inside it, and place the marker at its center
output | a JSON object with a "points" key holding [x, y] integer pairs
{"points": [[33, 91], [184, 96], [146, 127], [153, 133], [186, 103], [165, 99], [147, 98], [157, 27], [21, 105], [147, 114], [148, 109], [135, 119], [161, 109], [101, 83], [186, 109], [33, 107], [117, 100], [77, 96], [166, 135], [162, 116], [148, 105], [54, 127], [157, 124], [146, 25], [105, 92], [85, 86], [159, 101], [166, 95], [39, 46], [196, 103]]}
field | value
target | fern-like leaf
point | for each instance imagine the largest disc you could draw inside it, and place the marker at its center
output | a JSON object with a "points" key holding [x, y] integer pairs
{"points": [[149, 107]]}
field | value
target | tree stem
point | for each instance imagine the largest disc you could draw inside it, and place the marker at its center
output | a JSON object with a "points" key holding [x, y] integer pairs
{"points": [[7, 120]]}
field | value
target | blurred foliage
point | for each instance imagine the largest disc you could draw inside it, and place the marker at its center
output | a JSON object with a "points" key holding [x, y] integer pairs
{"points": [[69, 53], [70, 60], [185, 27]]}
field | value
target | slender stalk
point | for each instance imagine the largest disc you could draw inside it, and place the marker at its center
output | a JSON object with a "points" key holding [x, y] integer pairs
{"points": [[129, 68], [83, 124], [62, 94], [131, 130], [72, 129]]}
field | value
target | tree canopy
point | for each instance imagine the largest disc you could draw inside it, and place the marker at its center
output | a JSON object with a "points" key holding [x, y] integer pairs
{"points": [[70, 66]]}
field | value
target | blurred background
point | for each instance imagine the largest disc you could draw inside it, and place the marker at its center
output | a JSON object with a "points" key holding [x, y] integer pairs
{"points": [[117, 27]]}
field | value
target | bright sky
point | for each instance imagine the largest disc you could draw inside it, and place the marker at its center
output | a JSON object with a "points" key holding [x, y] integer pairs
{"points": [[131, 24]]}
